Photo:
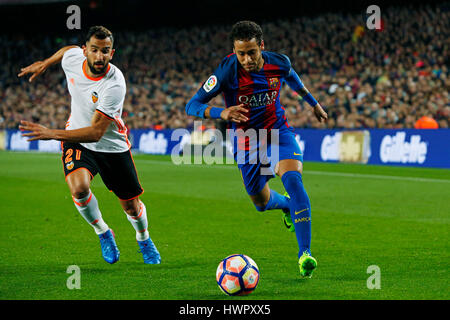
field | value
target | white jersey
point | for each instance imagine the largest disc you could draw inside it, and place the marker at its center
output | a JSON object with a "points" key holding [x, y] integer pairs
{"points": [[103, 94]]}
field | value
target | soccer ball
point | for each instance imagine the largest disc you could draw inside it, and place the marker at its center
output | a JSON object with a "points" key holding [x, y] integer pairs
{"points": [[237, 274]]}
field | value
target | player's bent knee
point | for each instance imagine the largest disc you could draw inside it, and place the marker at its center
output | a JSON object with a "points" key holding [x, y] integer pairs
{"points": [[260, 201], [131, 212], [260, 204], [260, 208], [79, 183], [131, 207], [80, 192]]}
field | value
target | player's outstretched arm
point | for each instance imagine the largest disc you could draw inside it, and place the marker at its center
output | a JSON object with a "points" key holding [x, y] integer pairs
{"points": [[294, 82], [39, 67], [92, 133], [318, 110]]}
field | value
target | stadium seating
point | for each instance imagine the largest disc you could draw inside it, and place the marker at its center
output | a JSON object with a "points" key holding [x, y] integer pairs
{"points": [[365, 78]]}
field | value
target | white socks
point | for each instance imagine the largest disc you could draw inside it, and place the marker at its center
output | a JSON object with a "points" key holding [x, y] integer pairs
{"points": [[140, 223], [88, 208]]}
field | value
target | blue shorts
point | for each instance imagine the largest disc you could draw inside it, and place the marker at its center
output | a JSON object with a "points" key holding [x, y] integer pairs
{"points": [[258, 166]]}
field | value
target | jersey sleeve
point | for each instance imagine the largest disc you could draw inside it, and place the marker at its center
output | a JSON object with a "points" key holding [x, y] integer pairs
{"points": [[214, 85], [291, 77], [217, 82], [286, 66], [111, 104], [71, 57], [294, 82]]}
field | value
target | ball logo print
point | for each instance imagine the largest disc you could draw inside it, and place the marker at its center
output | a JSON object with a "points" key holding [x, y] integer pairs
{"points": [[237, 275]]}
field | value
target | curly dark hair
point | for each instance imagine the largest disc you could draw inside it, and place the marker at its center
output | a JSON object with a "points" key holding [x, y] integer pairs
{"points": [[99, 32], [246, 30]]}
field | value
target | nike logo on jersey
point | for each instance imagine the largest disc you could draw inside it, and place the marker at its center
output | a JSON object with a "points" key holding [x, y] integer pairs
{"points": [[297, 154]]}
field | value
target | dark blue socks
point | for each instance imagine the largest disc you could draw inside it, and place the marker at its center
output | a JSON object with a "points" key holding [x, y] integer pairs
{"points": [[300, 207], [276, 201]]}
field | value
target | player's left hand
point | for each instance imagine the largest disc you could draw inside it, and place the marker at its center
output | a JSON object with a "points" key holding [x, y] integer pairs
{"points": [[320, 113], [38, 132], [35, 69]]}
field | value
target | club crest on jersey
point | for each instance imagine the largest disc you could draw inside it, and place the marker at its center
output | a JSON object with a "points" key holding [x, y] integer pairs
{"points": [[94, 97], [273, 83], [70, 165], [210, 83]]}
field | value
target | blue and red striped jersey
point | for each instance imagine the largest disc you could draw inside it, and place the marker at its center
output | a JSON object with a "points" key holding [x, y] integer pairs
{"points": [[258, 91]]}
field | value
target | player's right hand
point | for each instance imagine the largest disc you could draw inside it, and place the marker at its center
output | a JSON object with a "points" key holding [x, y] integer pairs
{"points": [[36, 131], [235, 114], [36, 69]]}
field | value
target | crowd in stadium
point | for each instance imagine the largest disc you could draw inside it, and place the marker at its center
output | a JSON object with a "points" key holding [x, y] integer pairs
{"points": [[364, 78]]}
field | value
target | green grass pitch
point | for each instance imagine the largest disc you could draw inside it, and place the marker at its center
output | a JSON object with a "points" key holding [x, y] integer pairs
{"points": [[394, 218]]}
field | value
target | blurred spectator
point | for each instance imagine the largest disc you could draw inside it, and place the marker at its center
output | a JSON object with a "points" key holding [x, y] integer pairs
{"points": [[365, 79], [426, 123]]}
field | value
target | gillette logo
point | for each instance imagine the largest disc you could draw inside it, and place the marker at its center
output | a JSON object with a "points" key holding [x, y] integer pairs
{"points": [[396, 149]]}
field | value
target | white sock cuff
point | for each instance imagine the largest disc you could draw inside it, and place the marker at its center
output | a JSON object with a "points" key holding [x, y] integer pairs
{"points": [[142, 212], [83, 201]]}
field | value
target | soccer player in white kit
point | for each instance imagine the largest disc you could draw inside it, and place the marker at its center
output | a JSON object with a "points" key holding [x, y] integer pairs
{"points": [[95, 138]]}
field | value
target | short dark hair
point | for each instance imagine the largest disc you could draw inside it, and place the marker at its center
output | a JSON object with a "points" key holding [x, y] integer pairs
{"points": [[246, 30], [99, 32]]}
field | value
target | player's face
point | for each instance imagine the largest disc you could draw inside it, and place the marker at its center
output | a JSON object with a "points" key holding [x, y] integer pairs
{"points": [[98, 53], [249, 54]]}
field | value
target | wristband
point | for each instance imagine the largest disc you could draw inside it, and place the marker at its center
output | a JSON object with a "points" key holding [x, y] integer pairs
{"points": [[214, 112], [310, 99]]}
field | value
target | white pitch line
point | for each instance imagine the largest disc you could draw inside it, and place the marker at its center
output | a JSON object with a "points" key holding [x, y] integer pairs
{"points": [[374, 176], [313, 172]]}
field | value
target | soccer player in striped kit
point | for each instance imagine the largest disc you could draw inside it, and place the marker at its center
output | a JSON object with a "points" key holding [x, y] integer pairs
{"points": [[95, 138], [251, 79]]}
